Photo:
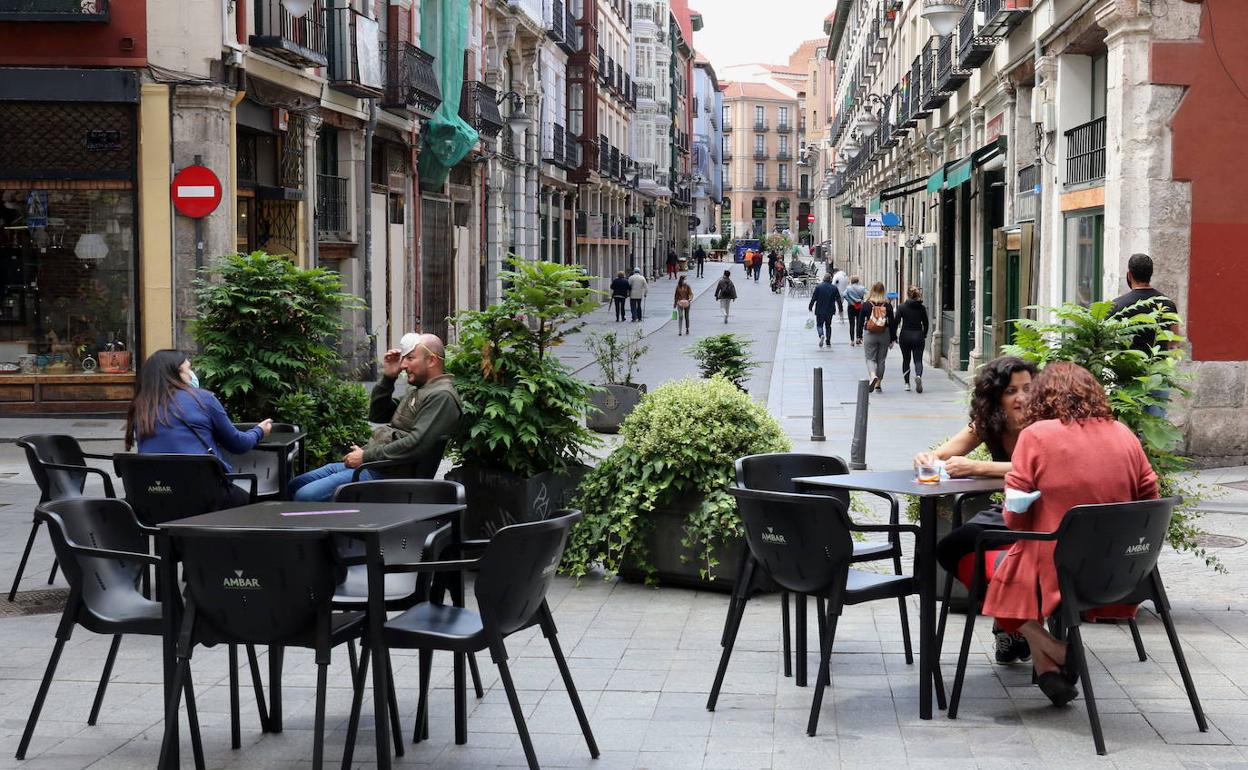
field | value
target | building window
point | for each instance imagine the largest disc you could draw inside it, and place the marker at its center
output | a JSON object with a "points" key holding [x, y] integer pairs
{"points": [[784, 175], [760, 144], [760, 114], [1085, 237], [760, 173], [1100, 69], [784, 144], [784, 116]]}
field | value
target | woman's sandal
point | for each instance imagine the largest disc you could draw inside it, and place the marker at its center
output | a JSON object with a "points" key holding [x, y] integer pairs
{"points": [[1056, 687]]}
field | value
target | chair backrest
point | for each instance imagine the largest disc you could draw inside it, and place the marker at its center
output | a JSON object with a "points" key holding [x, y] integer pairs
{"points": [[258, 586], [775, 472], [517, 568], [55, 448], [1104, 552], [426, 466], [402, 544], [164, 487], [96, 522], [803, 541]]}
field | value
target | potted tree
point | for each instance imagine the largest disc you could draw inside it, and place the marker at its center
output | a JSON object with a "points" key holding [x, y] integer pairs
{"points": [[521, 443], [726, 355], [657, 508], [617, 356]]}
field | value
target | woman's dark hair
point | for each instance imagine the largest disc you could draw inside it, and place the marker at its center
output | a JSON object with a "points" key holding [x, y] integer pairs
{"points": [[1066, 391], [158, 381], [915, 293], [987, 419]]}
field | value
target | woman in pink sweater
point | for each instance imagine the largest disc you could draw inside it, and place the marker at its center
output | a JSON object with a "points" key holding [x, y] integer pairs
{"points": [[1073, 453]]}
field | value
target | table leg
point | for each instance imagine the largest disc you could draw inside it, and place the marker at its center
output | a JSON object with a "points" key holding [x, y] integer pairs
{"points": [[166, 577], [376, 621], [799, 645], [926, 568], [277, 657]]}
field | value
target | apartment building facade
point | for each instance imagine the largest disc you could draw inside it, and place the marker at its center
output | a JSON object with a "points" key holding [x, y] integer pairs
{"points": [[759, 147], [1017, 153], [708, 103]]}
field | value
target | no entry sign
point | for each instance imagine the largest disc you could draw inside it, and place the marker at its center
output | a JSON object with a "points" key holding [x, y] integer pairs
{"points": [[196, 191]]}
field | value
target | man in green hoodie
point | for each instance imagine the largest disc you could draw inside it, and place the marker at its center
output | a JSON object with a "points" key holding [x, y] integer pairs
{"points": [[414, 425]]}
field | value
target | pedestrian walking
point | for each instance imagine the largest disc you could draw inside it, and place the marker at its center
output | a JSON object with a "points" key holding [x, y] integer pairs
{"points": [[672, 264], [1139, 280], [683, 301], [748, 262], [912, 326], [771, 265], [876, 317], [637, 290], [841, 281], [699, 259], [619, 292], [725, 292], [823, 301], [758, 267], [854, 295]]}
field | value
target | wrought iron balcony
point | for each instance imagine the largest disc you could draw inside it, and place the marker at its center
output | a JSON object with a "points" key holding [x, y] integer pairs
{"points": [[933, 97], [727, 129], [298, 42], [948, 77], [1002, 16], [54, 10], [760, 184], [760, 155], [784, 128], [762, 126], [554, 152], [784, 187], [1085, 152], [411, 83], [333, 221], [355, 62], [1026, 200], [572, 152], [555, 27], [784, 155], [973, 49], [478, 106]]}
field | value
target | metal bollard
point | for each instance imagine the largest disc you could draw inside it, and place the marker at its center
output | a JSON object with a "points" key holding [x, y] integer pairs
{"points": [[816, 417], [858, 449]]}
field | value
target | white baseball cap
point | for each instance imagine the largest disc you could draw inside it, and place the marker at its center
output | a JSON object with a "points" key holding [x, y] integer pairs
{"points": [[408, 343]]}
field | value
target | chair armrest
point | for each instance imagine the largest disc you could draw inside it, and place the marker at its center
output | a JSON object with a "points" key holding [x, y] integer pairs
{"points": [[104, 477], [436, 542], [454, 565], [911, 528], [894, 508], [94, 456], [108, 553], [250, 477], [377, 464], [1001, 536]]}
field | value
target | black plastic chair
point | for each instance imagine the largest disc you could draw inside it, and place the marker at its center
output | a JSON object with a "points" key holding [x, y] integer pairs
{"points": [[423, 467], [1105, 554], [775, 473], [261, 587], [266, 464], [103, 551], [402, 546], [164, 487], [60, 469], [804, 543], [516, 570]]}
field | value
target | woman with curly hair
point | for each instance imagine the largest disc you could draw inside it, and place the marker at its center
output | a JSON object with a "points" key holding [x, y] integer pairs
{"points": [[998, 416], [1073, 453]]}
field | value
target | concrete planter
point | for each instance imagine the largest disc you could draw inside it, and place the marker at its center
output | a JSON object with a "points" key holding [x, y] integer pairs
{"points": [[499, 498], [613, 404]]}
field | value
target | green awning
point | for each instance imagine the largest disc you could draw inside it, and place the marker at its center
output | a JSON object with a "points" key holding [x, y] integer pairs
{"points": [[936, 181], [989, 151], [873, 205], [959, 173]]}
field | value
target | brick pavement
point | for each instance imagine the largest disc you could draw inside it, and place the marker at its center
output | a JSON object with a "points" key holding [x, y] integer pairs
{"points": [[644, 659]]}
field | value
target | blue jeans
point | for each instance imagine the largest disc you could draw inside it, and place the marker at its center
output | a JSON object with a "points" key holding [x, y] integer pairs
{"points": [[318, 486], [824, 324]]}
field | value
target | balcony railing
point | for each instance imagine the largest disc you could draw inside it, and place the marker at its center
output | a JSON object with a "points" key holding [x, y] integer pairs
{"points": [[53, 10], [1001, 16], [727, 154], [333, 207], [1085, 152], [918, 92], [727, 129], [784, 128], [973, 49], [760, 155], [478, 106], [411, 83], [784, 155], [760, 184], [1027, 199], [554, 151], [571, 32], [572, 152], [556, 25], [948, 76], [784, 187], [355, 65], [298, 42], [762, 126], [933, 97], [803, 194]]}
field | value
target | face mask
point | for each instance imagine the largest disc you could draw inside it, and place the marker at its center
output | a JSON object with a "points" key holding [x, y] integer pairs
{"points": [[194, 380]]}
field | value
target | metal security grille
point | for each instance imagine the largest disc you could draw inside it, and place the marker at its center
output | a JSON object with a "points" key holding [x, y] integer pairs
{"points": [[277, 226], [437, 264], [50, 140]]}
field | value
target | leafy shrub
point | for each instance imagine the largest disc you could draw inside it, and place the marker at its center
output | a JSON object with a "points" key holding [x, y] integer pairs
{"points": [[265, 334], [617, 355], [522, 407], [779, 243], [1134, 381], [679, 443], [726, 355]]}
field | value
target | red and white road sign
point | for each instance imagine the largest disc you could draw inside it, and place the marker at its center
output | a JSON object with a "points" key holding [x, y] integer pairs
{"points": [[196, 191]]}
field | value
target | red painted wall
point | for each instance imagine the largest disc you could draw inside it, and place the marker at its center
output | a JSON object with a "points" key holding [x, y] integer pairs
{"points": [[1209, 127], [78, 43]]}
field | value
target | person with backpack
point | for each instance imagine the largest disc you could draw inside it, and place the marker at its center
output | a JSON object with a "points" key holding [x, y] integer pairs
{"points": [[912, 326], [619, 292], [725, 292], [854, 296], [876, 316]]}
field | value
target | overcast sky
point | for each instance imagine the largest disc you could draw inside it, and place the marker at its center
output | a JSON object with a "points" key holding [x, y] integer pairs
{"points": [[744, 31]]}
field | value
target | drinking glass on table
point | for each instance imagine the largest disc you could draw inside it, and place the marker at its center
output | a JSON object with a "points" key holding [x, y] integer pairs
{"points": [[927, 472]]}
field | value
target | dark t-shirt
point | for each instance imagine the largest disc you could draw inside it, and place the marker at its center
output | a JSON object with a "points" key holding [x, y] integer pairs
{"points": [[1144, 340]]}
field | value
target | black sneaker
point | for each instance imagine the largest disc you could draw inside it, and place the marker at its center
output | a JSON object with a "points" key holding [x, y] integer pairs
{"points": [[1011, 648]]}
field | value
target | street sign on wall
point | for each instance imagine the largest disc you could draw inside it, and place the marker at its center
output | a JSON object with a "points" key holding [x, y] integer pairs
{"points": [[875, 227], [196, 191]]}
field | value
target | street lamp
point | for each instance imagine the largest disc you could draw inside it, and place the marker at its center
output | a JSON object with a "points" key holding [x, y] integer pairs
{"points": [[517, 118], [297, 8], [943, 15], [869, 121]]}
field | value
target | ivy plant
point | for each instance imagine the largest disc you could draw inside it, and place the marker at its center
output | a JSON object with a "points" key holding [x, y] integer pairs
{"points": [[679, 444], [1139, 385], [523, 409]]}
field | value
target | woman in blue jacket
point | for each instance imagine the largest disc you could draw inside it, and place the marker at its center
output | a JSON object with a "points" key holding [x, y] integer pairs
{"points": [[171, 414]]}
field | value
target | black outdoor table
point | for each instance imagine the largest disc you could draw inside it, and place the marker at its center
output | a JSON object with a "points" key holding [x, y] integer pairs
{"points": [[904, 483], [365, 521], [280, 442]]}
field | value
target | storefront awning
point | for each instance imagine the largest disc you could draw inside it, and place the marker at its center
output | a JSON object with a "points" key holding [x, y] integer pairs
{"points": [[989, 151], [936, 182], [959, 173], [903, 189]]}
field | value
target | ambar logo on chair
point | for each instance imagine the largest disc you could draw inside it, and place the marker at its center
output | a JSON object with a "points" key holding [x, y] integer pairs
{"points": [[1139, 548], [159, 488], [238, 581], [771, 536]]}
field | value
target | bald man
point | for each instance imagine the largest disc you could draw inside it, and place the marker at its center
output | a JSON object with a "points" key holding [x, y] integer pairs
{"points": [[429, 410]]}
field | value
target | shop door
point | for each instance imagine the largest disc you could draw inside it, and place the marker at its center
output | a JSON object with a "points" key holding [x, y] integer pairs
{"points": [[437, 275], [397, 309], [378, 289]]}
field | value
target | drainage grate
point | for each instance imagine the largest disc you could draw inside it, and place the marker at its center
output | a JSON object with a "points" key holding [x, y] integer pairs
{"points": [[1207, 540], [42, 602]]}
